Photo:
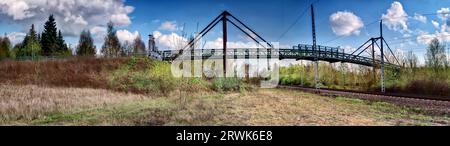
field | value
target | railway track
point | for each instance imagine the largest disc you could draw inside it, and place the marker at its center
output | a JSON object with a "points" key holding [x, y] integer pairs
{"points": [[435, 105]]}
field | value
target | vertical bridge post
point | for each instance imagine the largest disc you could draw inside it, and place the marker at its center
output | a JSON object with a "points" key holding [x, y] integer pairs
{"points": [[224, 29], [373, 60], [314, 48], [382, 57]]}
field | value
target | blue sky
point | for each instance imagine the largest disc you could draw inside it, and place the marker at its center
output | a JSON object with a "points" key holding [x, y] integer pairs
{"points": [[409, 22]]}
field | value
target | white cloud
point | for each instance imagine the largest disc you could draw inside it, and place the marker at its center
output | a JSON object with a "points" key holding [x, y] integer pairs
{"points": [[174, 41], [169, 41], [16, 37], [169, 26], [17, 9], [345, 23], [72, 16], [120, 19], [426, 38], [98, 30], [125, 35], [396, 17], [218, 44], [444, 13], [435, 24], [420, 18]]}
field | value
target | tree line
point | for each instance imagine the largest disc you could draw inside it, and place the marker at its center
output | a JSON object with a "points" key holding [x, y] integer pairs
{"points": [[436, 58], [51, 43]]}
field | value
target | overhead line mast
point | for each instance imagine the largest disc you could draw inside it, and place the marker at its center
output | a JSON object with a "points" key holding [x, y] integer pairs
{"points": [[314, 48]]}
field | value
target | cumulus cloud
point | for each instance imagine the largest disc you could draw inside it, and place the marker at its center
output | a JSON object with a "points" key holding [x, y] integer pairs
{"points": [[98, 30], [16, 37], [125, 35], [444, 13], [420, 18], [426, 38], [18, 10], [169, 41], [169, 26], [435, 24], [396, 17], [218, 44], [174, 41], [72, 16], [345, 23]]}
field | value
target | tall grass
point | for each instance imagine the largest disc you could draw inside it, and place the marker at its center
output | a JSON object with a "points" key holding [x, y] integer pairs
{"points": [[143, 75], [72, 72], [420, 81]]}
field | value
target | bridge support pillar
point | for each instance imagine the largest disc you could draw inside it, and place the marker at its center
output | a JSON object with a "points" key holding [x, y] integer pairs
{"points": [[383, 90], [225, 38]]}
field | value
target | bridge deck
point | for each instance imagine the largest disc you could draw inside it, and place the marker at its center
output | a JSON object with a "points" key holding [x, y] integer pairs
{"points": [[300, 52]]}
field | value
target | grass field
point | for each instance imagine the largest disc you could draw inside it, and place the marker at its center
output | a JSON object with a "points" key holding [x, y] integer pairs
{"points": [[35, 105], [137, 91]]}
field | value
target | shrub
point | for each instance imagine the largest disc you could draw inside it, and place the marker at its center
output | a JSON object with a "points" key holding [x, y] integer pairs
{"points": [[430, 87], [226, 84]]}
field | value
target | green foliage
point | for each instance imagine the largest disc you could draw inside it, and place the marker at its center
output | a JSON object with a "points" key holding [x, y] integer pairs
{"points": [[436, 56], [62, 46], [161, 74], [149, 76], [52, 42], [227, 84], [49, 38], [30, 46], [5, 46]]}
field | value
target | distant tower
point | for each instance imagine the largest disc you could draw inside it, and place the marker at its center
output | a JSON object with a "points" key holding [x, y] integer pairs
{"points": [[151, 44], [152, 49]]}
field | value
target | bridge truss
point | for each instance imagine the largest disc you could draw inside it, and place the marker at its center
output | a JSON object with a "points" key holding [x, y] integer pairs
{"points": [[300, 52]]}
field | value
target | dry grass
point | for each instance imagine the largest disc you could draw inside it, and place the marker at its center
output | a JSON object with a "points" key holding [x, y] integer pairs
{"points": [[72, 72], [33, 105], [22, 104]]}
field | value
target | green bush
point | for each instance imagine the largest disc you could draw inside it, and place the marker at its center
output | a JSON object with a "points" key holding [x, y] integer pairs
{"points": [[144, 75], [227, 84]]}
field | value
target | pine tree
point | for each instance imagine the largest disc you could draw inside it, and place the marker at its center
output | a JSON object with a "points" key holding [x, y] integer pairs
{"points": [[30, 45], [5, 46], [86, 44], [62, 43], [111, 47], [49, 38]]}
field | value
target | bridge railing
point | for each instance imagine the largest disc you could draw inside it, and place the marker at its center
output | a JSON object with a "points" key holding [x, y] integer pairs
{"points": [[324, 53]]}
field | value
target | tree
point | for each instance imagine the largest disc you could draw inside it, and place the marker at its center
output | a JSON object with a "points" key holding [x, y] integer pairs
{"points": [[435, 57], [111, 47], [61, 43], [86, 44], [411, 60], [30, 45], [49, 38], [5, 46], [138, 46], [127, 48]]}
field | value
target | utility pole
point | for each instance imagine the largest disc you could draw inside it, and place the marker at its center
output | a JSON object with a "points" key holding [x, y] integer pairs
{"points": [[314, 48], [373, 59], [383, 90], [224, 29]]}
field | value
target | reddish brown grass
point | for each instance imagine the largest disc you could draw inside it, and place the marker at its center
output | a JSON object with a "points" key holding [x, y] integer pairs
{"points": [[73, 72], [430, 87]]}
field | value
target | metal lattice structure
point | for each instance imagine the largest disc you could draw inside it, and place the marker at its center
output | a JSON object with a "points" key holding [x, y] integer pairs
{"points": [[300, 52], [312, 52]]}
